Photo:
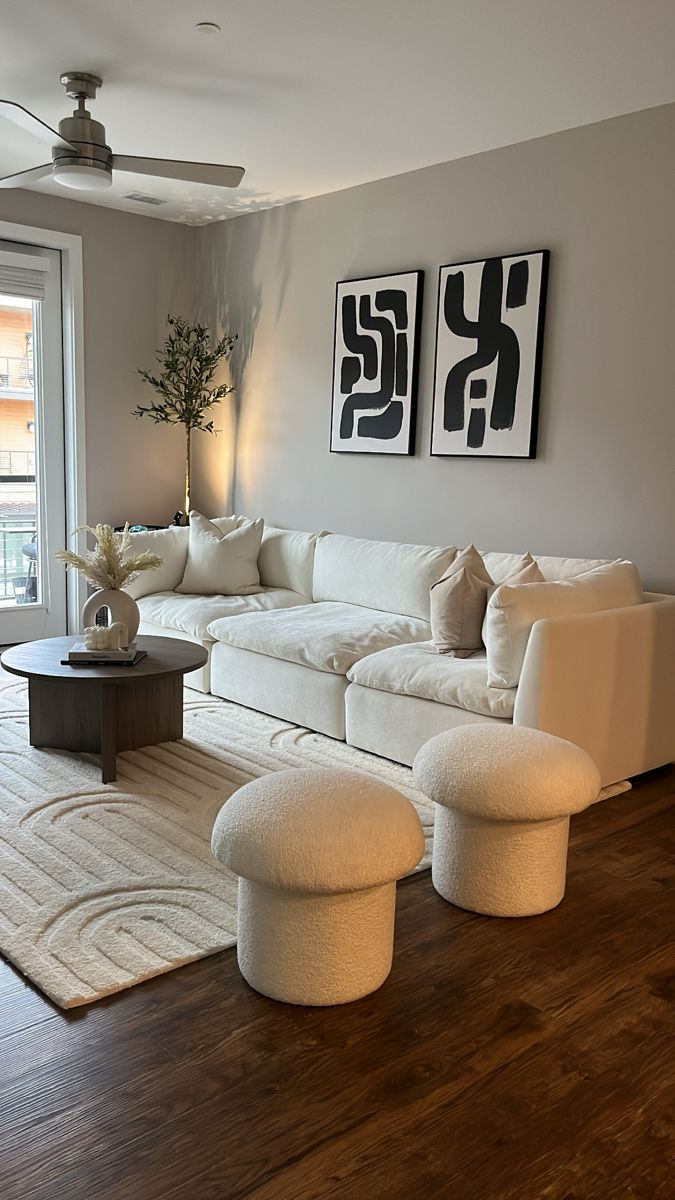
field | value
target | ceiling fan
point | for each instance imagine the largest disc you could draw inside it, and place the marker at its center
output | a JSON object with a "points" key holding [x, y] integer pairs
{"points": [[80, 157]]}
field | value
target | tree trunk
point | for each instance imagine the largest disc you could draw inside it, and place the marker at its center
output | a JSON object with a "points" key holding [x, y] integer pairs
{"points": [[187, 472]]}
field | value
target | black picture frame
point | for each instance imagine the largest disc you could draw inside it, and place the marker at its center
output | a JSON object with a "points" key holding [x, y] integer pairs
{"points": [[533, 344], [404, 441]]}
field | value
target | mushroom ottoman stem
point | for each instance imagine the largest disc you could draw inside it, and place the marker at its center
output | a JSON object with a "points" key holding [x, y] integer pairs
{"points": [[315, 950], [499, 868]]}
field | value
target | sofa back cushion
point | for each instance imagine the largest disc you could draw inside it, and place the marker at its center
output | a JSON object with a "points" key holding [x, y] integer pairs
{"points": [[172, 546], [286, 559], [512, 611], [502, 566], [391, 576]]}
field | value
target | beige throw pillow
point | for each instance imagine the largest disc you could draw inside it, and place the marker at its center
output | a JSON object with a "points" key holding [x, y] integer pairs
{"points": [[222, 563], [512, 611], [458, 601]]}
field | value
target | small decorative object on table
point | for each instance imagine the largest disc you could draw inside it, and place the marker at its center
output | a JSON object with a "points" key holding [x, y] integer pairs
{"points": [[108, 567], [82, 655], [105, 645], [106, 637]]}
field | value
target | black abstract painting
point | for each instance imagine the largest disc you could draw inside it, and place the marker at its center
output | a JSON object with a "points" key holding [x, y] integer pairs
{"points": [[489, 337], [377, 325]]}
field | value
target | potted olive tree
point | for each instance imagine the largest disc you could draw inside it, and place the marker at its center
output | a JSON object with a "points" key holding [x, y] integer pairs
{"points": [[188, 361]]}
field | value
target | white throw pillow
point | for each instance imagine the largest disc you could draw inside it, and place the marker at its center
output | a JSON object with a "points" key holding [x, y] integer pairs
{"points": [[525, 571], [221, 564], [171, 544], [512, 611]]}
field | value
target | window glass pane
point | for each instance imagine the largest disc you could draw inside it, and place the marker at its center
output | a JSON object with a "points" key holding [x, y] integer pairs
{"points": [[18, 494]]}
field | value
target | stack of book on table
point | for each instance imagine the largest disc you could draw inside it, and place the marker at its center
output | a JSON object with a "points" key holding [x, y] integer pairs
{"points": [[79, 656]]}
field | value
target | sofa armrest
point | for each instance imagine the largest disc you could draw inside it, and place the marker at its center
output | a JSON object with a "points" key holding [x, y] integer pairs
{"points": [[605, 681]]}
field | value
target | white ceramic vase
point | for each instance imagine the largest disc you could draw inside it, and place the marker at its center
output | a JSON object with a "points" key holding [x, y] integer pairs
{"points": [[121, 605]]}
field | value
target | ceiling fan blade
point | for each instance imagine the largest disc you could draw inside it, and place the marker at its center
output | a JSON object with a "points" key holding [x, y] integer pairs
{"points": [[25, 120], [25, 178], [191, 172]]}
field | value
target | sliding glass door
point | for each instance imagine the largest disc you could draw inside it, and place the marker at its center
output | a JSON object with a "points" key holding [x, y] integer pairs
{"points": [[32, 459]]}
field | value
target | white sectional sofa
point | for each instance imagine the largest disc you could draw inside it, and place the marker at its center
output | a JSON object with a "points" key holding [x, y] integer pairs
{"points": [[338, 640]]}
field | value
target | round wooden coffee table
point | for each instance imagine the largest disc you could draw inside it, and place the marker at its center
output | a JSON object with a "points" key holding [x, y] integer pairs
{"points": [[102, 710]]}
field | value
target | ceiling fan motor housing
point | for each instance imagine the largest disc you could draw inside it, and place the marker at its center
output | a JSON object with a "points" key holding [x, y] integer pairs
{"points": [[92, 166]]}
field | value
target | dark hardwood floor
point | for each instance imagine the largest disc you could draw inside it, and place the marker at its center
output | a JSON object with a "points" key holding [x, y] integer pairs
{"points": [[503, 1060]]}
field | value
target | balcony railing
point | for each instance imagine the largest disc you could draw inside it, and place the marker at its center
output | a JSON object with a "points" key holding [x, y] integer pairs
{"points": [[17, 463], [18, 575], [16, 372]]}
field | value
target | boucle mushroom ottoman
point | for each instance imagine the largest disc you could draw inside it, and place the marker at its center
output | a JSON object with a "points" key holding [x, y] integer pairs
{"points": [[318, 853], [505, 797]]}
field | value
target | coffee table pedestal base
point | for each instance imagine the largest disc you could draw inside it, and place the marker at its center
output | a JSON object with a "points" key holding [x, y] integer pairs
{"points": [[98, 717]]}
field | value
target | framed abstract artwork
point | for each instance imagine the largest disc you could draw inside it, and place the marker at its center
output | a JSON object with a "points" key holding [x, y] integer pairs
{"points": [[375, 364], [489, 337]]}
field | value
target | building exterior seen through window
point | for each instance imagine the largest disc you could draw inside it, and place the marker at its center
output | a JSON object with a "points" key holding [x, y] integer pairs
{"points": [[18, 492]]}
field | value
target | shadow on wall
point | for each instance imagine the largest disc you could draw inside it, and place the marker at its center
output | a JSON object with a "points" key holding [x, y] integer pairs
{"points": [[235, 256], [177, 282]]}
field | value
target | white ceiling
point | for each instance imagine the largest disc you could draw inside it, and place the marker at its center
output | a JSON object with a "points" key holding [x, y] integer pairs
{"points": [[312, 96]]}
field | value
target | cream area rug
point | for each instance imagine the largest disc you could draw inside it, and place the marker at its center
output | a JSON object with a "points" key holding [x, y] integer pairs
{"points": [[105, 885]]}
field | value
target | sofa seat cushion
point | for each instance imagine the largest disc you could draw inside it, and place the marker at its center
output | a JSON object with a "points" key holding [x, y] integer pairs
{"points": [[418, 670], [193, 614], [327, 637]]}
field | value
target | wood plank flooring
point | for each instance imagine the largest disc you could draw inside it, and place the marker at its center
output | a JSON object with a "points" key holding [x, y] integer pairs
{"points": [[503, 1060]]}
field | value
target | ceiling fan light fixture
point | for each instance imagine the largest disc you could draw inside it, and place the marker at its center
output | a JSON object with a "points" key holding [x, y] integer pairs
{"points": [[83, 176], [82, 161]]}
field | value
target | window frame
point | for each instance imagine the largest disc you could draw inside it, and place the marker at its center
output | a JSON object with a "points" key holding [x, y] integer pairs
{"points": [[72, 305]]}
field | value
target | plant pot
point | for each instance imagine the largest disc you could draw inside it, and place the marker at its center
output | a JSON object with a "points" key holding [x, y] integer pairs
{"points": [[121, 606]]}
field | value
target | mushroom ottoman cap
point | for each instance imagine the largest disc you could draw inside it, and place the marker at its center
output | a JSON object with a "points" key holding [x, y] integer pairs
{"points": [[505, 773], [318, 831]]}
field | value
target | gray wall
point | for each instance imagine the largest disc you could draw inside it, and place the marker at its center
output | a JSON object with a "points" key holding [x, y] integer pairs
{"points": [[135, 271], [603, 484], [599, 197]]}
